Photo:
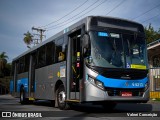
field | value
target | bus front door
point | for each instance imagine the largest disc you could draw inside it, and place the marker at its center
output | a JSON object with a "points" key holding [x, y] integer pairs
{"points": [[75, 65]]}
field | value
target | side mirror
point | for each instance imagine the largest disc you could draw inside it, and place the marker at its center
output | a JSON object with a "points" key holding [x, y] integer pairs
{"points": [[85, 44]]}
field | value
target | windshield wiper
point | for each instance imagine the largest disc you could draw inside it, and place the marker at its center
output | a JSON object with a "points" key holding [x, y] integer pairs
{"points": [[114, 45], [129, 47]]}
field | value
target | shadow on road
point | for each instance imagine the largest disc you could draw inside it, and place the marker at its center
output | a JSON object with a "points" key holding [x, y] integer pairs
{"points": [[80, 111], [43, 103], [89, 108], [120, 108]]}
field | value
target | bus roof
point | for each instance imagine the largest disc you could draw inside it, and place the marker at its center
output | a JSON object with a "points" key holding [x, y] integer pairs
{"points": [[70, 28], [52, 38]]}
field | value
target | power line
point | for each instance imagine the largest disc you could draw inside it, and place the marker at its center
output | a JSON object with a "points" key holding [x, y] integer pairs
{"points": [[74, 15], [146, 12], [115, 7], [53, 27], [41, 31], [150, 18], [66, 14]]}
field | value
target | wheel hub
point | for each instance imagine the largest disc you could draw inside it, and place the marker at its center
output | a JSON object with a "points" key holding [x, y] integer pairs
{"points": [[21, 97], [62, 97]]}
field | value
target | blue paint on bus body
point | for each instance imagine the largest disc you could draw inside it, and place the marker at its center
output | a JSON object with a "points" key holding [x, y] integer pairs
{"points": [[122, 83], [24, 82], [11, 89]]}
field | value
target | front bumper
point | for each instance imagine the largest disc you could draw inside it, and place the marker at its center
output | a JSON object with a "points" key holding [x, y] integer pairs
{"points": [[93, 93]]}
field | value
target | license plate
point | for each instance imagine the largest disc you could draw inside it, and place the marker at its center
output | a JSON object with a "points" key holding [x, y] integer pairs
{"points": [[126, 94]]}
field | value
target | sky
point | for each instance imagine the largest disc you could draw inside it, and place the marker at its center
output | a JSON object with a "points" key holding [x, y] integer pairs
{"points": [[19, 16]]}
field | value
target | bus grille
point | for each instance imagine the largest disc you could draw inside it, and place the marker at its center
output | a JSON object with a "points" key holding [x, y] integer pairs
{"points": [[117, 92], [120, 74]]}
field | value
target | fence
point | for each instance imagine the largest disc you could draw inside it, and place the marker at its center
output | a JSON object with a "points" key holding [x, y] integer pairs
{"points": [[154, 75]]}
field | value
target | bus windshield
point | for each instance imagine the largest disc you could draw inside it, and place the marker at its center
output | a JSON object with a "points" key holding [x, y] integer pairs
{"points": [[115, 50]]}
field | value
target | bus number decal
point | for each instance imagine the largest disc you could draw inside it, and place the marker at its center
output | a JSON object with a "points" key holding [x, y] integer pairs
{"points": [[137, 84]]}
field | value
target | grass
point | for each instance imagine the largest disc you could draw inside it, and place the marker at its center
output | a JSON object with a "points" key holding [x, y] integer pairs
{"points": [[157, 99]]}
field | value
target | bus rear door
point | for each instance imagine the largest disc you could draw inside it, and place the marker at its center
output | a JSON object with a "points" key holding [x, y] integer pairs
{"points": [[32, 75]]}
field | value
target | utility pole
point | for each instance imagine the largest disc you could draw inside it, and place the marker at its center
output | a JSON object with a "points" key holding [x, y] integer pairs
{"points": [[41, 31]]}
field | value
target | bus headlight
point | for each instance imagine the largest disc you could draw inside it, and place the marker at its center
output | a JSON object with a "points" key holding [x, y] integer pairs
{"points": [[91, 80], [95, 82], [99, 84]]}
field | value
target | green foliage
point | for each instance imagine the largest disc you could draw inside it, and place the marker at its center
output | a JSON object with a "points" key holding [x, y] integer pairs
{"points": [[28, 38], [158, 99], [151, 34], [3, 63], [5, 68], [5, 82]]}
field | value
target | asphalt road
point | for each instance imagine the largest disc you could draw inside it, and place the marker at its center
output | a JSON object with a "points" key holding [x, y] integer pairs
{"points": [[80, 112]]}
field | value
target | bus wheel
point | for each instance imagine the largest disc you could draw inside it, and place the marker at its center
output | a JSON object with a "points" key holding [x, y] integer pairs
{"points": [[61, 97], [23, 100]]}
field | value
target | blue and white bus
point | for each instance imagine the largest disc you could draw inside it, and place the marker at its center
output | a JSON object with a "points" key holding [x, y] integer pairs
{"points": [[101, 60]]}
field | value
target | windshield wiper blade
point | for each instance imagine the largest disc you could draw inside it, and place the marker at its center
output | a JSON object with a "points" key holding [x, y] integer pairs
{"points": [[129, 47], [114, 45]]}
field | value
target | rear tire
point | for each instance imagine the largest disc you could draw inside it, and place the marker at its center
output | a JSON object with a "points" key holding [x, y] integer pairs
{"points": [[23, 99], [61, 97]]}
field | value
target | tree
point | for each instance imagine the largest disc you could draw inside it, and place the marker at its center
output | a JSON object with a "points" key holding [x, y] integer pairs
{"points": [[3, 62], [28, 39], [7, 70], [151, 34]]}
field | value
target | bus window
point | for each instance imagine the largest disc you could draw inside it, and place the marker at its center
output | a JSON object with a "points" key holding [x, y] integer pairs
{"points": [[64, 49], [21, 65], [13, 68], [27, 60], [41, 57], [49, 53], [59, 55], [58, 52]]}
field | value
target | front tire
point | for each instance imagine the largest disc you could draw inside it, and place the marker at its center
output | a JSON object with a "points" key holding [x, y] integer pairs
{"points": [[61, 97]]}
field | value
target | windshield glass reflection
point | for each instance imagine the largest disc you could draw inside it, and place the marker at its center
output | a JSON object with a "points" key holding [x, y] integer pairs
{"points": [[117, 50]]}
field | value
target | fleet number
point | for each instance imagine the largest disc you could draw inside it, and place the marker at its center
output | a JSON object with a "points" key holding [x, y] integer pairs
{"points": [[137, 84]]}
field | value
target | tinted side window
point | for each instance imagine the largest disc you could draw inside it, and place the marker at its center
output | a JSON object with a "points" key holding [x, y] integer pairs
{"points": [[21, 65], [54, 52], [27, 61], [58, 48], [50, 53], [58, 51], [13, 68], [41, 57], [17, 67]]}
